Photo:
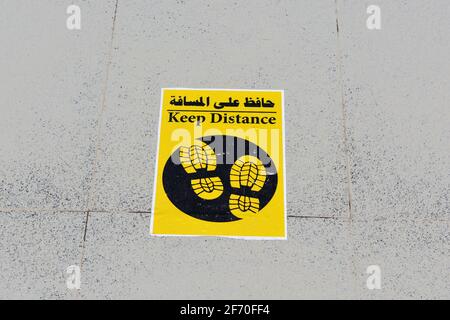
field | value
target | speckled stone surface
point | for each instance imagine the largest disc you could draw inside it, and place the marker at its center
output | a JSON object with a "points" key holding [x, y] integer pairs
{"points": [[367, 124], [124, 261], [51, 90], [397, 90], [413, 254], [35, 250]]}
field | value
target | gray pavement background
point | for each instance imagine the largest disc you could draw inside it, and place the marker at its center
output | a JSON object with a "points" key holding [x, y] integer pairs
{"points": [[367, 145]]}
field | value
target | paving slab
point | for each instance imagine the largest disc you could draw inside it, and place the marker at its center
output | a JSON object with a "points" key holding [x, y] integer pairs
{"points": [[123, 261], [412, 254], [241, 44], [396, 94], [52, 80], [35, 250]]}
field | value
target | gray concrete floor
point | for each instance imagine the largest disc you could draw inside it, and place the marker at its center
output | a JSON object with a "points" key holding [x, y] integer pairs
{"points": [[367, 146]]}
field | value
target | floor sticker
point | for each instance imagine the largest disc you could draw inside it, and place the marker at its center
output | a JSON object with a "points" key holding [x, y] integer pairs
{"points": [[220, 164]]}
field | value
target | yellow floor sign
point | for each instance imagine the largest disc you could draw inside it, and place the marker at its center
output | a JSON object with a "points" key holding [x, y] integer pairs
{"points": [[220, 164]]}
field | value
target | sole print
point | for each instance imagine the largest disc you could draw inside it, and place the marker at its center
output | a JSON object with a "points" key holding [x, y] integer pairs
{"points": [[200, 156], [247, 173]]}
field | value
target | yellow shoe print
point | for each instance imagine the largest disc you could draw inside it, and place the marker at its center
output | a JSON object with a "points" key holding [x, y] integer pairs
{"points": [[243, 206], [247, 173], [198, 157], [207, 188]]}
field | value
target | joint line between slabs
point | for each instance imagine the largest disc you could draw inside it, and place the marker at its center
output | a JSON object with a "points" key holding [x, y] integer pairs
{"points": [[344, 111]]}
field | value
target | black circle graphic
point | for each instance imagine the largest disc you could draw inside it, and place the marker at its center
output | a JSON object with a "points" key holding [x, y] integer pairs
{"points": [[227, 149]]}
